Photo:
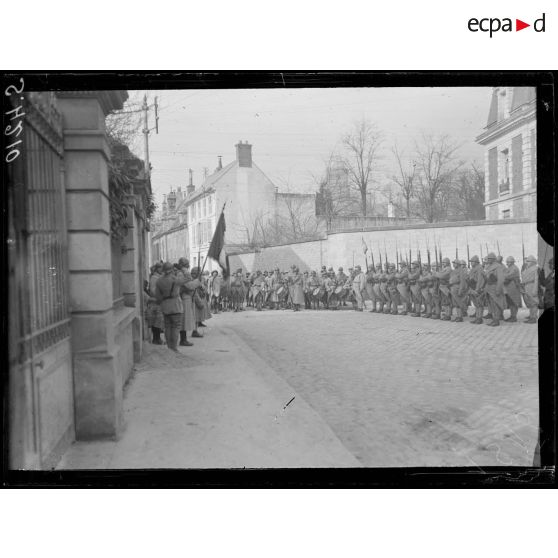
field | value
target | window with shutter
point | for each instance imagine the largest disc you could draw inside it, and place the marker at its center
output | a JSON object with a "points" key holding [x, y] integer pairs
{"points": [[493, 173], [517, 163], [533, 158]]}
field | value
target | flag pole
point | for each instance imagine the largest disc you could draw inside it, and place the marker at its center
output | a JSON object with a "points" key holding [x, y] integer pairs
{"points": [[203, 267]]}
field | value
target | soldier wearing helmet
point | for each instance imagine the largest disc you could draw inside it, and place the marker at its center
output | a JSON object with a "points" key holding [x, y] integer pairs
{"points": [[370, 273], [458, 290], [445, 295], [402, 279], [392, 289], [414, 289], [512, 292], [425, 283], [476, 282], [494, 288]]}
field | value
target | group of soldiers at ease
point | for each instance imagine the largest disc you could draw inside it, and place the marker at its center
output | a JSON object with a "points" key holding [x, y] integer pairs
{"points": [[181, 299]]}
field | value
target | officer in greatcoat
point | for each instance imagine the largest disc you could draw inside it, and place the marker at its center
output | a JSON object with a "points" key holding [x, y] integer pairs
{"points": [[359, 288], [186, 295], [167, 292]]}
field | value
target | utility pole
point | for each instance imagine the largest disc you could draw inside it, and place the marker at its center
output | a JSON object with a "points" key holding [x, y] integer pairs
{"points": [[145, 132]]}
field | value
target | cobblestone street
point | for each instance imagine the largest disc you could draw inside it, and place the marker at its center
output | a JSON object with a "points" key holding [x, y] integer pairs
{"points": [[329, 389], [404, 391]]}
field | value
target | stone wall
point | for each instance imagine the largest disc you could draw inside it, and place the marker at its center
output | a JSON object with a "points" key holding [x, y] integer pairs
{"points": [[344, 248], [306, 255]]}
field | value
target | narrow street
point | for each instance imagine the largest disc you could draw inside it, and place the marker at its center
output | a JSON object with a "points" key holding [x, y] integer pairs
{"points": [[369, 390]]}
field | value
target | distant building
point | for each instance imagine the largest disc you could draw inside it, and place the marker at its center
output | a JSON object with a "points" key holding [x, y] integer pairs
{"points": [[510, 142], [187, 221]]}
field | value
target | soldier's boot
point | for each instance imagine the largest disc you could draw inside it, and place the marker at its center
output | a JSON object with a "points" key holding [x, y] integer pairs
{"points": [[533, 315], [184, 341], [513, 314], [459, 317], [156, 336], [477, 317]]}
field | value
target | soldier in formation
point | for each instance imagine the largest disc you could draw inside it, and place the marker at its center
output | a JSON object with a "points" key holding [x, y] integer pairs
{"points": [[437, 290]]}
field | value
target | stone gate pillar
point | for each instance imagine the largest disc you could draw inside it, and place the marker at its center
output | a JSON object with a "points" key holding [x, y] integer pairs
{"points": [[97, 382]]}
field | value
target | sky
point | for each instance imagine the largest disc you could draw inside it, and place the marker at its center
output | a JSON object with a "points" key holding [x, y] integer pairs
{"points": [[293, 131]]}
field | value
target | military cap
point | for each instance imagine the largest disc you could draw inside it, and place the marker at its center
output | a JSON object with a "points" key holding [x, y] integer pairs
{"points": [[463, 262], [357, 267], [167, 266], [491, 256], [340, 269], [475, 259], [510, 259], [530, 259], [378, 266], [457, 260], [183, 261], [416, 263], [446, 260], [403, 263]]}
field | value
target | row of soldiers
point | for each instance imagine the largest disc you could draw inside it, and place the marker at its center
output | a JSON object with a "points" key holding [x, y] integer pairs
{"points": [[176, 301], [443, 290]]}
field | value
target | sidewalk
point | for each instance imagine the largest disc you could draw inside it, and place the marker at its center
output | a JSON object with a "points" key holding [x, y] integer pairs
{"points": [[218, 405]]}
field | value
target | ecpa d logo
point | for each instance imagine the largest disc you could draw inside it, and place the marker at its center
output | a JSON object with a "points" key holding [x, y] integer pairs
{"points": [[493, 25]]}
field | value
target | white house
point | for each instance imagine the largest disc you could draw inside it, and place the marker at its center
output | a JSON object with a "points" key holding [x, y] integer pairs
{"points": [[510, 142], [242, 187]]}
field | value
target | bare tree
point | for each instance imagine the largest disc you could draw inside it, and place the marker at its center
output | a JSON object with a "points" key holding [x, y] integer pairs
{"points": [[296, 216], [335, 198], [405, 180], [123, 126], [468, 194], [362, 153], [437, 167]]}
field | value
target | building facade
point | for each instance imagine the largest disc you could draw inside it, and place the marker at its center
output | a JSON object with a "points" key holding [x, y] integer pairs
{"points": [[188, 218], [77, 242], [510, 142]]}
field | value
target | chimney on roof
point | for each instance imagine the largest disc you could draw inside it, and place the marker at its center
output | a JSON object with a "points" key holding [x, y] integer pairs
{"points": [[244, 154], [190, 189], [219, 163], [171, 200]]}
